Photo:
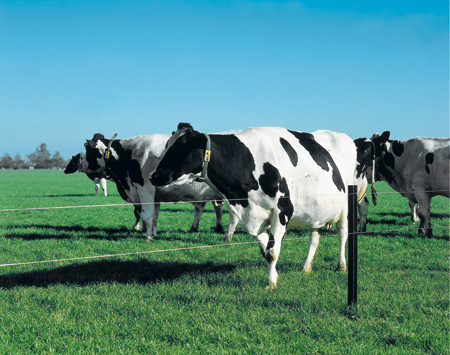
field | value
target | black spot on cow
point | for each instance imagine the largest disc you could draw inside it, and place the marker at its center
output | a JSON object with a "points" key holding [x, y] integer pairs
{"points": [[429, 159], [124, 166], [292, 154], [365, 154], [270, 180], [229, 154], [321, 156], [284, 203], [398, 148], [389, 160], [270, 245]]}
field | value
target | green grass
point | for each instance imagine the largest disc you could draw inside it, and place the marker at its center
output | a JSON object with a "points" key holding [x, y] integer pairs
{"points": [[212, 300]]}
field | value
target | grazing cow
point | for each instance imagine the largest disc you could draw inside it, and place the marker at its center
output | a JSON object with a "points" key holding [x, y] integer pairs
{"points": [[417, 168], [72, 167], [129, 162], [365, 157], [271, 179]]}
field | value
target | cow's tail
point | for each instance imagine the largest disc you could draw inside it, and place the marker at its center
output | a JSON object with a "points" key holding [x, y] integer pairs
{"points": [[374, 188]]}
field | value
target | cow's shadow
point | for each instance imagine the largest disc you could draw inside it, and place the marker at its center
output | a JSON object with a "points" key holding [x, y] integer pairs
{"points": [[125, 272], [46, 231], [66, 232]]}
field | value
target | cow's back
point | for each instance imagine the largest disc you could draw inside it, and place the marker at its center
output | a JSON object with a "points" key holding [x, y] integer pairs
{"points": [[422, 164], [317, 169]]}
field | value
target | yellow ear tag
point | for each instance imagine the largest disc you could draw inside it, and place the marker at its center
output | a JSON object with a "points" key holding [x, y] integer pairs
{"points": [[207, 155], [107, 154]]}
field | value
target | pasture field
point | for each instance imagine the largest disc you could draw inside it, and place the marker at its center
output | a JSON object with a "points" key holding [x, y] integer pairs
{"points": [[210, 300]]}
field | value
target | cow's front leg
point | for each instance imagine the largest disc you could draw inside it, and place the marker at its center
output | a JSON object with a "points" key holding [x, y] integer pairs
{"points": [[218, 209], [363, 207], [413, 206], [423, 211], [314, 238], [232, 224], [147, 218], [272, 253], [137, 218]]}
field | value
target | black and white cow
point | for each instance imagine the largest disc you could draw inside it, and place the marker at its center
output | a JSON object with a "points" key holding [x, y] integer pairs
{"points": [[417, 168], [365, 157], [271, 179], [129, 162], [72, 167]]}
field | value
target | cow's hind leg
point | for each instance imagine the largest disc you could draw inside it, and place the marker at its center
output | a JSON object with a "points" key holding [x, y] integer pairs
{"points": [[198, 210], [312, 247], [342, 227]]}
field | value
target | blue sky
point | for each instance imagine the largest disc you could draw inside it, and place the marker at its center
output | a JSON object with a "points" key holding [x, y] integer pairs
{"points": [[69, 69]]}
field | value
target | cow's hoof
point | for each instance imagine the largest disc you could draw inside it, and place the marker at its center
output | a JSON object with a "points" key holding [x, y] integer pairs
{"points": [[227, 238], [193, 230], [219, 229], [271, 286], [341, 268], [150, 238], [307, 269]]}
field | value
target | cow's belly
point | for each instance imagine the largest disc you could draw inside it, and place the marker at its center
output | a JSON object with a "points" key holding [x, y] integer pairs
{"points": [[186, 192], [316, 212]]}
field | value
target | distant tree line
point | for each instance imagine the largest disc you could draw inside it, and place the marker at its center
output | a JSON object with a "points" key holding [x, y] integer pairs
{"points": [[40, 159]]}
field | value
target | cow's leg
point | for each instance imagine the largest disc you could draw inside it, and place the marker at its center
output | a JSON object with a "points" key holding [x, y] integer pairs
{"points": [[218, 207], [413, 206], [423, 211], [137, 218], [342, 228], [148, 218], [312, 247], [233, 221], [198, 210], [363, 207], [97, 186], [272, 252], [103, 181], [155, 218], [263, 240]]}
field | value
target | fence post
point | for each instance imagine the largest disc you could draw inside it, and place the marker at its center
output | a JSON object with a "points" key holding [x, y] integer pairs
{"points": [[352, 245]]}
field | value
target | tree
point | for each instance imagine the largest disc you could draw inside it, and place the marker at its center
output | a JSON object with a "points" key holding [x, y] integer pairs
{"points": [[40, 159], [6, 162], [58, 161], [19, 163]]}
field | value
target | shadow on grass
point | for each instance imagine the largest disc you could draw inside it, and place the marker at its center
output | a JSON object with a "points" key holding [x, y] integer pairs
{"points": [[46, 231], [141, 271], [67, 232], [408, 215]]}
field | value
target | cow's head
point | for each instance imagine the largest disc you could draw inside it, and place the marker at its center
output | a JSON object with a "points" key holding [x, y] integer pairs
{"points": [[73, 165], [181, 129], [380, 143], [98, 151], [183, 159], [365, 157]]}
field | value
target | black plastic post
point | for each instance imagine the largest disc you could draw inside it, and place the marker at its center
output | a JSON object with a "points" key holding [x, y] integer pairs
{"points": [[352, 245]]}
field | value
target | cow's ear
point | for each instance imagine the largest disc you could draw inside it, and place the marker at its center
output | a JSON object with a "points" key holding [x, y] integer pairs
{"points": [[385, 136], [90, 144]]}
